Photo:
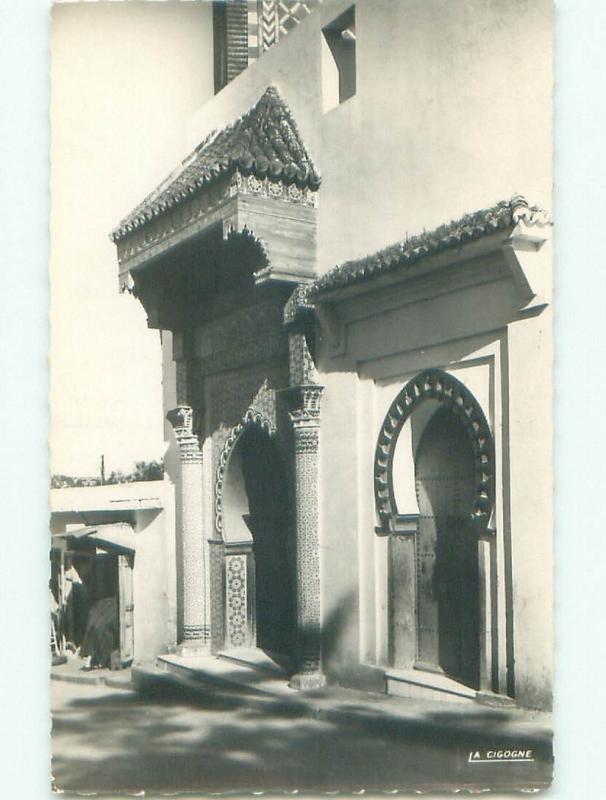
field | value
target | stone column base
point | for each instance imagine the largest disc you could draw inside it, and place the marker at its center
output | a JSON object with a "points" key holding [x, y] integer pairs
{"points": [[193, 647], [307, 680]]}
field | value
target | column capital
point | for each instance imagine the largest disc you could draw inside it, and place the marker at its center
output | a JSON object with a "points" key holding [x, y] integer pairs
{"points": [[181, 418], [305, 411]]}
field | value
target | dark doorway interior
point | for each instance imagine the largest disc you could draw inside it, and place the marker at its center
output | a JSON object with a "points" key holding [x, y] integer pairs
{"points": [[269, 523], [97, 602], [447, 560], [90, 576]]}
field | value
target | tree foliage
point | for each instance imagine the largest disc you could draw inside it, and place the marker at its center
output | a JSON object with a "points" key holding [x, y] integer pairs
{"points": [[143, 471]]}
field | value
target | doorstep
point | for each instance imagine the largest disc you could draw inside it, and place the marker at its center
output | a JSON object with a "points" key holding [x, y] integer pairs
{"points": [[252, 657], [72, 672], [422, 685], [250, 670]]}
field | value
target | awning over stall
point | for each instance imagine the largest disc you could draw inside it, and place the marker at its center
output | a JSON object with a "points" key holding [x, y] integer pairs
{"points": [[111, 536]]}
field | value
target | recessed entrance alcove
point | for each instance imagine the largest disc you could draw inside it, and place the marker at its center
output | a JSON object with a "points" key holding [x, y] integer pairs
{"points": [[258, 548], [433, 489]]}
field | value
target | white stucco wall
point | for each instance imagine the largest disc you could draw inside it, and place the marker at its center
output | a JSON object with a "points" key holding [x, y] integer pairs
{"points": [[452, 113]]}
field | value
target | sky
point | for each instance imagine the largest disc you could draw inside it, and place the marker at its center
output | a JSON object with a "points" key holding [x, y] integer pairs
{"points": [[125, 80]]}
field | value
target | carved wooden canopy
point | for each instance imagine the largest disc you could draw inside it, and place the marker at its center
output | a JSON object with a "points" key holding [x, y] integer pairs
{"points": [[248, 191]]}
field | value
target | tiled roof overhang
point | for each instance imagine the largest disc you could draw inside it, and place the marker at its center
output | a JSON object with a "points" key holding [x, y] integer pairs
{"points": [[398, 259], [264, 142], [255, 179]]}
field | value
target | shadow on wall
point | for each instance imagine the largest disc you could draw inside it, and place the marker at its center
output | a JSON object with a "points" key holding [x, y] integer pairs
{"points": [[340, 648]]}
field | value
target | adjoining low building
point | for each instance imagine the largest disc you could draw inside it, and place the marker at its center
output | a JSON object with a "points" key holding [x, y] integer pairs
{"points": [[362, 452], [116, 542]]}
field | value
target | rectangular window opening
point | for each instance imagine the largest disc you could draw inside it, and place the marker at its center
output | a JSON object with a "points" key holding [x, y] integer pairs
{"points": [[339, 60]]}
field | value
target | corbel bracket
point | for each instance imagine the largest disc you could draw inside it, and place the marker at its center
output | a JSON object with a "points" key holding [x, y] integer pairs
{"points": [[528, 258], [332, 328]]}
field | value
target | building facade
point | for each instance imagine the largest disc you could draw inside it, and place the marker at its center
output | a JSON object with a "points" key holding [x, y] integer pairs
{"points": [[352, 273]]}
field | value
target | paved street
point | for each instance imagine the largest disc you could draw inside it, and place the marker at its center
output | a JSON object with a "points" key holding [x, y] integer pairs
{"points": [[108, 740]]}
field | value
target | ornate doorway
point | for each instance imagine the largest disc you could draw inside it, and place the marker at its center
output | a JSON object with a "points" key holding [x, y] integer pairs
{"points": [[256, 520], [439, 552], [447, 551]]}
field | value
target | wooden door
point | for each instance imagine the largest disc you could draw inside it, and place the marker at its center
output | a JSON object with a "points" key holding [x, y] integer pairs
{"points": [[447, 560], [126, 607], [268, 521]]}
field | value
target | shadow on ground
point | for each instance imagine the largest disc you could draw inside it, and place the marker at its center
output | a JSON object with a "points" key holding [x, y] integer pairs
{"points": [[213, 740]]}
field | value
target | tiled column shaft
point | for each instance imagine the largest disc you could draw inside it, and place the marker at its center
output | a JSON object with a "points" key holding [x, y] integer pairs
{"points": [[306, 428], [195, 614]]}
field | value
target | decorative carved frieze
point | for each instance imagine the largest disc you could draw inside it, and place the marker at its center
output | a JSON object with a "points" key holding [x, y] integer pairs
{"points": [[231, 393], [174, 220], [215, 203], [306, 436], [251, 417], [247, 336], [445, 388], [197, 632], [273, 189]]}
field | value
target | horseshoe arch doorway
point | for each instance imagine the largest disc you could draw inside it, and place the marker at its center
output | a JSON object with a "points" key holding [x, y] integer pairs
{"points": [[256, 510], [434, 490]]}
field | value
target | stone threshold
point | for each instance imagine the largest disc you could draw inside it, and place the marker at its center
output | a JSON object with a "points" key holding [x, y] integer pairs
{"points": [[257, 659], [419, 684], [246, 669], [122, 680]]}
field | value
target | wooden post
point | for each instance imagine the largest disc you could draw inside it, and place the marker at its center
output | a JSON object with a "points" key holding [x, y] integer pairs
{"points": [[126, 608], [485, 601]]}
